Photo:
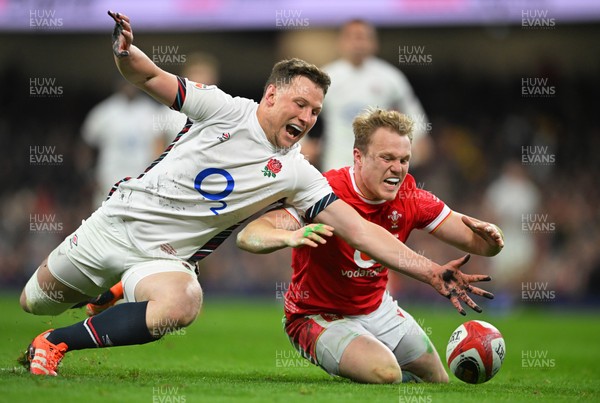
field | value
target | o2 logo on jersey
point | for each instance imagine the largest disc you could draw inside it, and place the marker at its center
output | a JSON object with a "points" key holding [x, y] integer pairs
{"points": [[362, 260], [218, 197]]}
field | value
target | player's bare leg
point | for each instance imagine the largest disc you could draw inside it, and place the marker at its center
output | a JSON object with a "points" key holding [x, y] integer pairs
{"points": [[165, 301], [428, 367], [46, 295], [368, 360], [174, 301]]}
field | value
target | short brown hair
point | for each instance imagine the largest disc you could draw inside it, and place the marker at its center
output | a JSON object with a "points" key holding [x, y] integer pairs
{"points": [[372, 119], [286, 70]]}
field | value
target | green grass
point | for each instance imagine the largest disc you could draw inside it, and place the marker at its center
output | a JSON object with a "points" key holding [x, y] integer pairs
{"points": [[230, 354]]}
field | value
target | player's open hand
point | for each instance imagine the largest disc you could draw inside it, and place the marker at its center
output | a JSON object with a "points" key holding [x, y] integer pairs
{"points": [[310, 235], [453, 284], [122, 36], [490, 233]]}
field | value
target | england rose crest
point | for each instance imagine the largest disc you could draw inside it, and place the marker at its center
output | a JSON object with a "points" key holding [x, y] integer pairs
{"points": [[272, 168]]}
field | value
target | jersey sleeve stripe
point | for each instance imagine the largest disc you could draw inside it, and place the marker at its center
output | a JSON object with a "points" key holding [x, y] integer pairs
{"points": [[213, 244], [116, 185], [439, 220], [319, 206], [181, 92]]}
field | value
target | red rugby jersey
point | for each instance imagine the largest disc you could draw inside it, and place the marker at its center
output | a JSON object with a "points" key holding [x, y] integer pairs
{"points": [[335, 278]]}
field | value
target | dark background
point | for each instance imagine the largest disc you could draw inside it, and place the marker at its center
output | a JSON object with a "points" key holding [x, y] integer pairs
{"points": [[472, 93]]}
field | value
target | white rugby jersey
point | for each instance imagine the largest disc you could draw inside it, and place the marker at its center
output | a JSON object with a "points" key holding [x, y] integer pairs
{"points": [[219, 171], [375, 83], [125, 133]]}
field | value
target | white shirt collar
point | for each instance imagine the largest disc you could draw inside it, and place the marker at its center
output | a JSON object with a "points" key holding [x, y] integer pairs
{"points": [[359, 193]]}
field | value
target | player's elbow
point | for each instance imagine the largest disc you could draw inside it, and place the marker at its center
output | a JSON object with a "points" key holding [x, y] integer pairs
{"points": [[247, 241], [242, 241], [356, 235]]}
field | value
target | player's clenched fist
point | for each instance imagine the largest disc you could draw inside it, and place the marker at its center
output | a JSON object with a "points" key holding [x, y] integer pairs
{"points": [[490, 233], [122, 36]]}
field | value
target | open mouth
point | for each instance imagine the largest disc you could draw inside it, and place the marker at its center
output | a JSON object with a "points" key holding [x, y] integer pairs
{"points": [[293, 130], [392, 181]]}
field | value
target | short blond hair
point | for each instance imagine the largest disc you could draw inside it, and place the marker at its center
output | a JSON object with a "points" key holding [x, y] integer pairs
{"points": [[365, 124]]}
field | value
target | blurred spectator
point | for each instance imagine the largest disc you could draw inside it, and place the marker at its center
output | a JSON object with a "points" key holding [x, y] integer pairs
{"points": [[358, 80], [514, 201], [123, 129]]}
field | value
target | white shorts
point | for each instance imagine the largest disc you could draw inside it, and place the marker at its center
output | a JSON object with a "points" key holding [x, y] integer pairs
{"points": [[323, 338], [99, 254]]}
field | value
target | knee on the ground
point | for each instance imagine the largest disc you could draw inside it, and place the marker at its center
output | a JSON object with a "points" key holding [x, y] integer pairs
{"points": [[387, 374], [436, 376], [439, 377]]}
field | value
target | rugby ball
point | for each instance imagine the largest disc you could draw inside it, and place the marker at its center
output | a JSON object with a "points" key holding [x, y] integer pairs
{"points": [[475, 352]]}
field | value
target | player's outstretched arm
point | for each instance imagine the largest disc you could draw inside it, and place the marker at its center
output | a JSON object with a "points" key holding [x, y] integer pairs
{"points": [[382, 246], [137, 68], [277, 229], [471, 235]]}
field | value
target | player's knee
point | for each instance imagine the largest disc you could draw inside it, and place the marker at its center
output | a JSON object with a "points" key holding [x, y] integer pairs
{"points": [[439, 377], [430, 369], [386, 374], [443, 378], [38, 301], [183, 309], [23, 302]]}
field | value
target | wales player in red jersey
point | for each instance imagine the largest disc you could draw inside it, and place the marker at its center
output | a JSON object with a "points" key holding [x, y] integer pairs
{"points": [[338, 313], [234, 158]]}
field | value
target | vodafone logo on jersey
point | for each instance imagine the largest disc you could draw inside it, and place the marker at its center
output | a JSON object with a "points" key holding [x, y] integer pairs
{"points": [[365, 264], [362, 260]]}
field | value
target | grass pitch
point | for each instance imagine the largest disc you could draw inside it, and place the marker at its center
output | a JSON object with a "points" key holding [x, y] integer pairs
{"points": [[237, 352]]}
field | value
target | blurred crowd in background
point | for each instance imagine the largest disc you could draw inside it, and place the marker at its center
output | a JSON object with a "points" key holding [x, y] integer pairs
{"points": [[518, 153]]}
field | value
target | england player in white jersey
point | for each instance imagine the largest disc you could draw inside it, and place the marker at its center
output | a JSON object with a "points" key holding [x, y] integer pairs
{"points": [[233, 158], [360, 79]]}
